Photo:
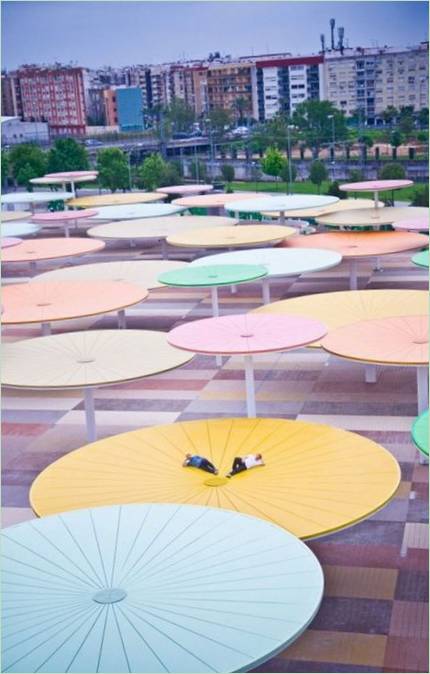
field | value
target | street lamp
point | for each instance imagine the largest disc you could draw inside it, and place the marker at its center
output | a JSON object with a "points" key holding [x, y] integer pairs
{"points": [[290, 168], [333, 135], [209, 123]]}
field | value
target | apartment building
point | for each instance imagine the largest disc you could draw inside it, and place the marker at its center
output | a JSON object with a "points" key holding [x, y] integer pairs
{"points": [[228, 82], [11, 104], [56, 96], [284, 83], [371, 79], [123, 107]]}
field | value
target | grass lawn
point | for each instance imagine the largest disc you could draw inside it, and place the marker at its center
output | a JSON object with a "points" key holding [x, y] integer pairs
{"points": [[307, 187]]}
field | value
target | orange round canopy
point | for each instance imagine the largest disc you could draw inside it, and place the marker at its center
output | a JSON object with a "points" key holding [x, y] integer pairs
{"points": [[61, 300], [398, 340], [360, 244]]}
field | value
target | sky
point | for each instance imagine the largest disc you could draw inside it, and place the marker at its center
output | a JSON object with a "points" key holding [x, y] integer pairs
{"points": [[120, 33]]}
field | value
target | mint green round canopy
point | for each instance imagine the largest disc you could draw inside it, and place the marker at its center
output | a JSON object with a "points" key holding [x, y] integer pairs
{"points": [[213, 275], [420, 432], [153, 588], [421, 259]]}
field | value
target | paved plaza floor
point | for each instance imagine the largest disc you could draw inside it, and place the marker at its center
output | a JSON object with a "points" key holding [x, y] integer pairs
{"points": [[374, 616]]}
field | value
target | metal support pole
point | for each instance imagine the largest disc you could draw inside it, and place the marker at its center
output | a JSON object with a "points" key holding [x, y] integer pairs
{"points": [[353, 280], [33, 266], [378, 266], [215, 312], [422, 389], [370, 373], [122, 321], [282, 218], [266, 290], [46, 329], [164, 249], [90, 416], [250, 386]]}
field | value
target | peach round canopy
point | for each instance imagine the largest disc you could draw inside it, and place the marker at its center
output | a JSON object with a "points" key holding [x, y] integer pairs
{"points": [[375, 185], [371, 217], [143, 273], [412, 224], [185, 190], [343, 308], [231, 237], [246, 334], [56, 180], [10, 216], [62, 216], [396, 340], [316, 479], [162, 227], [215, 200], [8, 241], [360, 244], [341, 205], [51, 249], [116, 199], [75, 360], [51, 301]]}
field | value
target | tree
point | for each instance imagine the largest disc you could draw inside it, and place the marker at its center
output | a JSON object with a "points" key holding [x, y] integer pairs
{"points": [[218, 120], [287, 169], [396, 139], [5, 166], [389, 114], [227, 172], [392, 171], [318, 173], [356, 176], [423, 118], [273, 162], [27, 161], [335, 191], [172, 174], [67, 155], [113, 169], [241, 107], [152, 171], [421, 196], [180, 115], [406, 119], [315, 120]]}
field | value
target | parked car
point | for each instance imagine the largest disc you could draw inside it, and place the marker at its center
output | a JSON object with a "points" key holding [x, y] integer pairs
{"points": [[92, 142]]}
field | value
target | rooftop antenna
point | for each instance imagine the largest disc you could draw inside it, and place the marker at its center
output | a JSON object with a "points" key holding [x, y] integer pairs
{"points": [[332, 24], [322, 38], [341, 34]]}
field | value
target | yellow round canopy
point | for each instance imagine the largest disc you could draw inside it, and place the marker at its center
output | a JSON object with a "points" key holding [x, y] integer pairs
{"points": [[116, 199], [350, 306], [316, 479], [230, 237]]}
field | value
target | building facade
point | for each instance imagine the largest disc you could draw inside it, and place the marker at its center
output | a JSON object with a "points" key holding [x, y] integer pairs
{"points": [[370, 80], [56, 96], [284, 83], [228, 82], [124, 108], [14, 131]]}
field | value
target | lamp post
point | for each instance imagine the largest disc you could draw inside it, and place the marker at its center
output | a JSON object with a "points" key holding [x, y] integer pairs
{"points": [[333, 135], [290, 168], [209, 123]]}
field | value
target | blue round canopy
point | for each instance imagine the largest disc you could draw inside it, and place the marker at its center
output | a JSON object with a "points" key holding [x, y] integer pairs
{"points": [[153, 588]]}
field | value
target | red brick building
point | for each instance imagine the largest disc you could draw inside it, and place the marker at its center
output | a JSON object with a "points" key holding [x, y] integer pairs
{"points": [[56, 96]]}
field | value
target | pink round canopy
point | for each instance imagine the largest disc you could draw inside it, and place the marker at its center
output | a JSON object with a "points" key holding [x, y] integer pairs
{"points": [[375, 185], [8, 241], [185, 189], [246, 334], [412, 224], [49, 249], [72, 175], [63, 216]]}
